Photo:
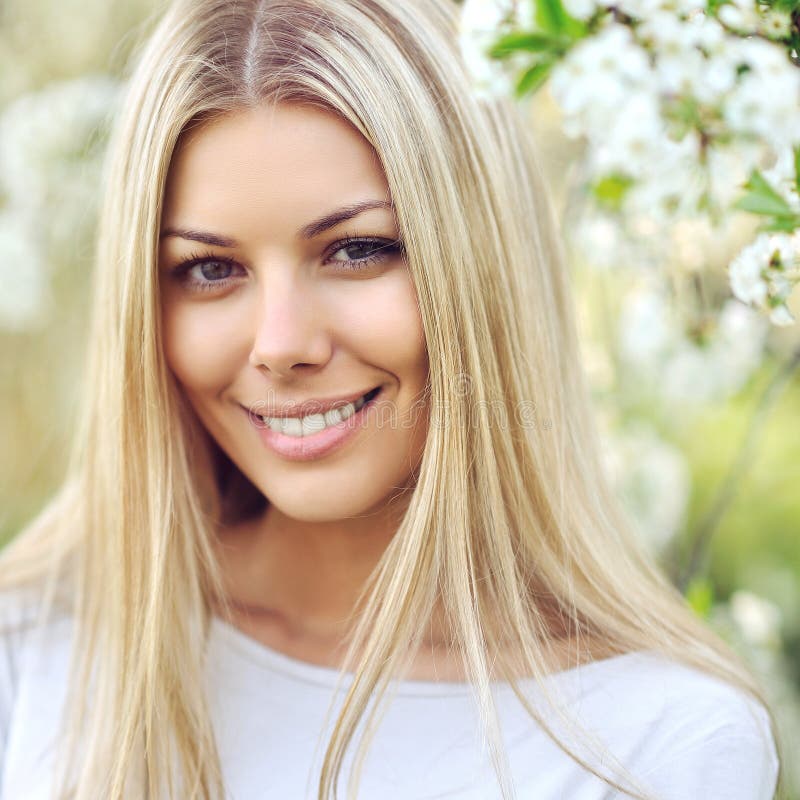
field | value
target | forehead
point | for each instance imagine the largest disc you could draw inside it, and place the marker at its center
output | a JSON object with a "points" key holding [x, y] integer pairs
{"points": [[285, 161]]}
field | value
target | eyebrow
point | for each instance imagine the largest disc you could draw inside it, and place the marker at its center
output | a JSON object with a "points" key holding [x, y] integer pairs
{"points": [[307, 232]]}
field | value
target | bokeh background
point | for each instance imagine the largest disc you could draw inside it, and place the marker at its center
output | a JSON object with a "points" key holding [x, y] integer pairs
{"points": [[699, 414]]}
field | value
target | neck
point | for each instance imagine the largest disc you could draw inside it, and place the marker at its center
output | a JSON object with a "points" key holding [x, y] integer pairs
{"points": [[303, 576]]}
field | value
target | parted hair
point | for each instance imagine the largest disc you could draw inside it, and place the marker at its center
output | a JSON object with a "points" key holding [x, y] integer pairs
{"points": [[512, 525]]}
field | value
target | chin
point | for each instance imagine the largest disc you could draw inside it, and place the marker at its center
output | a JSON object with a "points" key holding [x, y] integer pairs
{"points": [[318, 506]]}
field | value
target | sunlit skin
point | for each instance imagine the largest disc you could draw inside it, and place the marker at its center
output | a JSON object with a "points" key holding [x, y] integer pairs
{"points": [[282, 320]]}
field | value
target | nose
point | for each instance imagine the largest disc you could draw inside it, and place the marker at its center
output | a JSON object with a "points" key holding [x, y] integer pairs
{"points": [[289, 335]]}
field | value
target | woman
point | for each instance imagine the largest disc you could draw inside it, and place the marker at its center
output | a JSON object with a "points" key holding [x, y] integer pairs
{"points": [[336, 427]]}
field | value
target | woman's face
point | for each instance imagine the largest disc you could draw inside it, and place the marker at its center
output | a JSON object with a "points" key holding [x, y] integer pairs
{"points": [[285, 297]]}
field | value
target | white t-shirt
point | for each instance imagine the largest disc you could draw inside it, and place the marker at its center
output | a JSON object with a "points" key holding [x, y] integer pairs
{"points": [[683, 734]]}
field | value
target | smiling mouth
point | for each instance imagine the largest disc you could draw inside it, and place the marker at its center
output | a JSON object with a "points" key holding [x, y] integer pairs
{"points": [[310, 424]]}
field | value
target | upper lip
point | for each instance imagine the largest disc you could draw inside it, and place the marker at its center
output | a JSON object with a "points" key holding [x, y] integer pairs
{"points": [[302, 409]]}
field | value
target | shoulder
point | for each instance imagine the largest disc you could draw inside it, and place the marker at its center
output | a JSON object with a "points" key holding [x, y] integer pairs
{"points": [[679, 696], [686, 732]]}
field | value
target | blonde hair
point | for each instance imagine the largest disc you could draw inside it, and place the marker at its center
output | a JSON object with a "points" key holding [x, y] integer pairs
{"points": [[512, 525]]}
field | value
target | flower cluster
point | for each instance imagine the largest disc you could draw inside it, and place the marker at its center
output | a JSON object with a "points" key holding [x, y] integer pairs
{"points": [[680, 105], [481, 22], [51, 143], [765, 273], [685, 370]]}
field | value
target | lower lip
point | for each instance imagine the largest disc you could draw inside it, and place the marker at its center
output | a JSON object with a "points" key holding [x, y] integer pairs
{"points": [[317, 445]]}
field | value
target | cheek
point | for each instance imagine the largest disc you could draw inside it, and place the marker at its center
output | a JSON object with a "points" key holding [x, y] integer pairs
{"points": [[384, 325], [202, 344]]}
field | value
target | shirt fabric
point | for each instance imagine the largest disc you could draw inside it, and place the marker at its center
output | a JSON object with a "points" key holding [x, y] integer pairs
{"points": [[683, 734]]}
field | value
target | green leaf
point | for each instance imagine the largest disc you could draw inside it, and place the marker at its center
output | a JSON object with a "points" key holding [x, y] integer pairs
{"points": [[700, 596], [758, 183], [763, 204], [781, 225], [528, 42], [610, 190], [551, 17], [774, 302], [533, 78], [761, 198]]}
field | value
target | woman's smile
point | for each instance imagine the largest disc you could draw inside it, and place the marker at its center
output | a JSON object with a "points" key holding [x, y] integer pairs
{"points": [[302, 437]]}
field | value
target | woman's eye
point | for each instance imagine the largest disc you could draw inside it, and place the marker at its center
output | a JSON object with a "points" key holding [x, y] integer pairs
{"points": [[203, 273], [213, 270], [360, 253]]}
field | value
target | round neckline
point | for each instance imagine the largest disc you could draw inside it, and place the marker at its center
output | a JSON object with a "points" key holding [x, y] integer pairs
{"points": [[329, 677]]}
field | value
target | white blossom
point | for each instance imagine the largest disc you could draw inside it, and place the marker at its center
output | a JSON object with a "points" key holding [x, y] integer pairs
{"points": [[580, 9], [481, 22], [46, 137], [767, 269], [766, 108], [670, 184], [629, 144], [653, 344], [705, 32], [747, 273], [643, 9], [51, 142], [741, 15], [781, 176], [662, 29], [24, 292], [489, 77], [694, 374], [595, 79], [766, 100], [758, 620], [483, 16], [727, 168], [775, 23]]}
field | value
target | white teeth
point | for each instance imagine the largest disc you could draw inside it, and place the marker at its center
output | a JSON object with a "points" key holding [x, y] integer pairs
{"points": [[332, 417], [313, 423], [291, 426]]}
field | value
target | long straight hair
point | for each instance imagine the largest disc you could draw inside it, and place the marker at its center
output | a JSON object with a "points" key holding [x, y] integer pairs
{"points": [[512, 525]]}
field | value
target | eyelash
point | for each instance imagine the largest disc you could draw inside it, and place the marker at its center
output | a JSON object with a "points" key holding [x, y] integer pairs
{"points": [[383, 248]]}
